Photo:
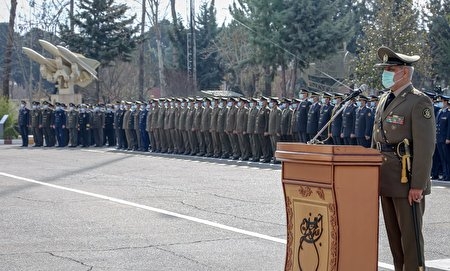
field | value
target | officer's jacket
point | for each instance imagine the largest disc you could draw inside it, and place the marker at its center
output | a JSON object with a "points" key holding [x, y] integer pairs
{"points": [[363, 122], [214, 117], [222, 119], [231, 119], [274, 127], [131, 119], [262, 120], [241, 120], [36, 118], [251, 120], [197, 118], [325, 115], [312, 125], [336, 124], [285, 124], [109, 120], [183, 116], [442, 125], [190, 118], [83, 120], [161, 115], [302, 115], [59, 118], [47, 118], [72, 119], [98, 120], [155, 116], [143, 119], [348, 120], [126, 119], [24, 117], [410, 115], [206, 119], [118, 119]]}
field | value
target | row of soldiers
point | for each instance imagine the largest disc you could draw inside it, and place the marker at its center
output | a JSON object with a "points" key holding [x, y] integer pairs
{"points": [[220, 127]]}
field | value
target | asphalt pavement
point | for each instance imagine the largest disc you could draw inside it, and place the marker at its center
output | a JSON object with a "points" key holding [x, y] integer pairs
{"points": [[103, 209]]}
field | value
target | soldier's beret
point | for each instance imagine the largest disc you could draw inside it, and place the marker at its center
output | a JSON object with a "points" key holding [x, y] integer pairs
{"points": [[390, 58]]}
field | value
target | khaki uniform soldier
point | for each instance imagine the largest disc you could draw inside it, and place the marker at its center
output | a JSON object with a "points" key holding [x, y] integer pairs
{"points": [[274, 126], [221, 129], [261, 130], [156, 143], [231, 128], [126, 123], [193, 144], [160, 124], [404, 113], [72, 125], [47, 121], [217, 145], [251, 121], [286, 121], [241, 129], [206, 126], [184, 132], [169, 125], [97, 125], [197, 125], [136, 114], [36, 128], [179, 145]]}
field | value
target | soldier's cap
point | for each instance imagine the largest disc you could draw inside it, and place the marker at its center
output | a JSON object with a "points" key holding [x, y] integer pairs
{"points": [[314, 93], [445, 98], [128, 103], [72, 104], [362, 97], [57, 103], [327, 95], [254, 99], [36, 102], [180, 100], [263, 98], [117, 102], [287, 100], [304, 90], [338, 95], [374, 97], [430, 94], [101, 105], [274, 99], [233, 99], [207, 99], [390, 58], [199, 99], [138, 102], [243, 99], [45, 102], [23, 102], [296, 100]]}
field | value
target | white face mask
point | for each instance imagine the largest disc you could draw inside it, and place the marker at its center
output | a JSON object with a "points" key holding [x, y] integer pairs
{"points": [[34, 106], [358, 103]]}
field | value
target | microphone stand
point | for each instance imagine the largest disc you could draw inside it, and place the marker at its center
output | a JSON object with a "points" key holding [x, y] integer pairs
{"points": [[341, 107]]}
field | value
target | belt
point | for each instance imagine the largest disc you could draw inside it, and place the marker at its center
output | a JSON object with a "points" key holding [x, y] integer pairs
{"points": [[386, 147], [382, 147]]}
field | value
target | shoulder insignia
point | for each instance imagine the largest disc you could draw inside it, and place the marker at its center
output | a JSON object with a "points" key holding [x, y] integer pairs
{"points": [[426, 113]]}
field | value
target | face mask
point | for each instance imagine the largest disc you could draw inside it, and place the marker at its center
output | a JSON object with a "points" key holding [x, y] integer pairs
{"points": [[372, 104], [271, 104], [96, 109], [387, 79], [293, 106], [116, 107], [82, 110], [260, 103], [22, 106], [239, 104], [358, 103], [311, 100], [34, 107], [229, 104], [121, 107], [58, 108], [440, 104], [213, 103], [282, 106], [195, 106], [45, 106]]}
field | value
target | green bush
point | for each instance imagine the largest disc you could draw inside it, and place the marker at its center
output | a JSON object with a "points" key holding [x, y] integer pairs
{"points": [[9, 108]]}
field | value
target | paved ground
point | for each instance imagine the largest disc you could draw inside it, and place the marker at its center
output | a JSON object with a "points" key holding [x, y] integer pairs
{"points": [[100, 209]]}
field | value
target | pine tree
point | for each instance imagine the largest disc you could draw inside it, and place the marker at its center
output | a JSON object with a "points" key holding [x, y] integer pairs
{"points": [[209, 71], [395, 26], [102, 32]]}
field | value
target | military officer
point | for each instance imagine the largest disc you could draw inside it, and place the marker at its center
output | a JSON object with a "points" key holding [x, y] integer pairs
{"points": [[163, 110], [196, 126], [363, 122], [274, 126], [186, 148], [231, 127], [156, 143], [312, 124], [286, 119], [336, 124], [221, 129], [241, 129], [84, 124], [72, 123], [169, 124], [47, 121], [261, 130], [142, 124], [326, 110], [443, 136], [36, 121], [348, 123], [293, 131], [193, 143], [206, 126], [403, 113], [59, 124], [108, 132], [302, 115], [24, 122], [217, 145], [136, 129], [251, 121], [118, 124]]}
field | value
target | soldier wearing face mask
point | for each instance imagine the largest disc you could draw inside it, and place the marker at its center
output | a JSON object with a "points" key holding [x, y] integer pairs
{"points": [[326, 110], [261, 130], [274, 127], [222, 127], [24, 122], [241, 129], [302, 115], [186, 148], [119, 114], [108, 131], [217, 145], [59, 124], [205, 127], [363, 122], [312, 126], [336, 124], [97, 125], [84, 125], [286, 119], [36, 121], [231, 128], [72, 123], [47, 122], [143, 114]]}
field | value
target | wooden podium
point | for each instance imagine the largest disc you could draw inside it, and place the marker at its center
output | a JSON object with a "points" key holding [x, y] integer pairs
{"points": [[331, 197]]}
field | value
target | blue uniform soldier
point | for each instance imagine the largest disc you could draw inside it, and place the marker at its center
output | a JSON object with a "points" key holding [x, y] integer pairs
{"points": [[302, 115], [348, 124], [363, 122], [336, 125], [443, 136], [59, 124], [24, 122]]}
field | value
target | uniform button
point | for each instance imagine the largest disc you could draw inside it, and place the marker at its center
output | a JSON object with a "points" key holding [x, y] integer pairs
{"points": [[385, 131], [378, 130]]}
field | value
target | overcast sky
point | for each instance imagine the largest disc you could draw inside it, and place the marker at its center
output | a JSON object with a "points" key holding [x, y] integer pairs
{"points": [[24, 11]]}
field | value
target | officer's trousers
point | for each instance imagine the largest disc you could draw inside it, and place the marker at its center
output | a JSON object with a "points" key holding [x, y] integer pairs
{"points": [[37, 136]]}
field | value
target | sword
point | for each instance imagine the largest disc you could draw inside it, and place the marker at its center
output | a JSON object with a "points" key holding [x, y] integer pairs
{"points": [[407, 157]]}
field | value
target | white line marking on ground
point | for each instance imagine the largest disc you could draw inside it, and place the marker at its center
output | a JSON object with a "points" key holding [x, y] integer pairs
{"points": [[153, 209], [169, 213]]}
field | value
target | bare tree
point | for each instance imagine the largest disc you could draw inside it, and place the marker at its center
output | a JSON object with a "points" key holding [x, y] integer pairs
{"points": [[141, 54], [9, 48], [154, 18]]}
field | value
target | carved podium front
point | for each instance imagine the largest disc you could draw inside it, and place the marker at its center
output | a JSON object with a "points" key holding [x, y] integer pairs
{"points": [[331, 197]]}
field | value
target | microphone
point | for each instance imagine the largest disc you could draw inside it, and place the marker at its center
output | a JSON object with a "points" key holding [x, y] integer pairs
{"points": [[355, 93]]}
